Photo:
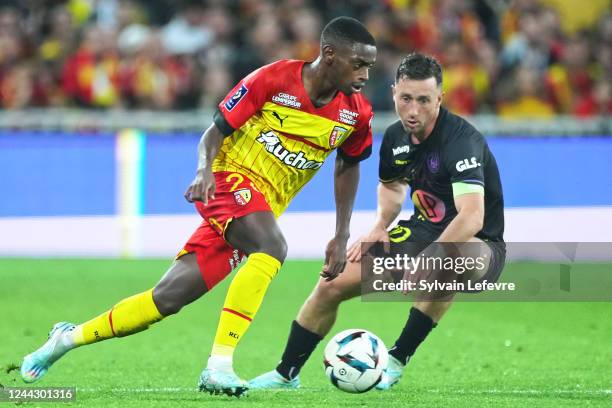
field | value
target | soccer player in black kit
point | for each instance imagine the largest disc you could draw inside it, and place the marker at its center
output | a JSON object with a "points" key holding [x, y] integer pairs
{"points": [[456, 190]]}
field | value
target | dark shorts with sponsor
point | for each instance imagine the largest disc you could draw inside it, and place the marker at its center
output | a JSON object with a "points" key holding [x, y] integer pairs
{"points": [[412, 236]]}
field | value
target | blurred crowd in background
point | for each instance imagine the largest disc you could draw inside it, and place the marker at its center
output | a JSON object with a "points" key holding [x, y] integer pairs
{"points": [[515, 58]]}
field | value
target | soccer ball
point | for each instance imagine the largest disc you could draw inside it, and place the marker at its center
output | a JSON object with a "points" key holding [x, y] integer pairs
{"points": [[355, 360]]}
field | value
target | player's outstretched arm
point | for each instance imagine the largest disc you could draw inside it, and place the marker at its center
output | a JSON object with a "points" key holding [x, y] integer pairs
{"points": [[391, 198], [203, 185], [346, 179]]}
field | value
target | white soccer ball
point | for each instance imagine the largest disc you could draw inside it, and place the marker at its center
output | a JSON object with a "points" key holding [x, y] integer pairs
{"points": [[355, 360]]}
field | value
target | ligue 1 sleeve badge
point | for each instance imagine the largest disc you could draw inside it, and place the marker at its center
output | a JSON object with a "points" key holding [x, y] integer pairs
{"points": [[242, 196], [336, 136]]}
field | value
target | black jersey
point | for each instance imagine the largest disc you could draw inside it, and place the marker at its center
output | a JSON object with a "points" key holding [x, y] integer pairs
{"points": [[453, 160]]}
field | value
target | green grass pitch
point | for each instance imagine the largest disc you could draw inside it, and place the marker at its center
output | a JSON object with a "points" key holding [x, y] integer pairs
{"points": [[481, 354]]}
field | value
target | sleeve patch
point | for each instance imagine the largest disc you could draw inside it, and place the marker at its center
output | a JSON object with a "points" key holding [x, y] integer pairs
{"points": [[236, 97], [465, 188]]}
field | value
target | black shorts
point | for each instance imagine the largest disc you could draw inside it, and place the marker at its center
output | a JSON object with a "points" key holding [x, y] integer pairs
{"points": [[414, 235]]}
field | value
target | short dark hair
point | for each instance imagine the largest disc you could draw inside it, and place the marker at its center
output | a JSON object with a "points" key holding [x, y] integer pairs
{"points": [[419, 66], [347, 30]]}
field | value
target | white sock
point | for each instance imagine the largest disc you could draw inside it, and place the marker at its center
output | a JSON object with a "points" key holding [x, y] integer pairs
{"points": [[63, 345], [68, 338], [221, 363]]}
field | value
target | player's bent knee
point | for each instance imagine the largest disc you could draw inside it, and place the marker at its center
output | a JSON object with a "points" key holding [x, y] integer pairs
{"points": [[166, 303], [282, 249], [276, 248], [331, 292]]}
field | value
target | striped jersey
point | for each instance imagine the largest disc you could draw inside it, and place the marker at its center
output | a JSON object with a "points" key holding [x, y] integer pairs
{"points": [[276, 136]]}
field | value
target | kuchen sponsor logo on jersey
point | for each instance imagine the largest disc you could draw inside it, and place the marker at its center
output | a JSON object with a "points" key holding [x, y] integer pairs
{"points": [[401, 149], [286, 100], [298, 160], [237, 97], [348, 117], [466, 164], [336, 135], [242, 196]]}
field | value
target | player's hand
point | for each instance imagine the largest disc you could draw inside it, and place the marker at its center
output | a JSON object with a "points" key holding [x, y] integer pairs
{"points": [[364, 243], [335, 259], [202, 187]]}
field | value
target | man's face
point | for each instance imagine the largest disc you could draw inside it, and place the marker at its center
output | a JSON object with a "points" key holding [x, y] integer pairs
{"points": [[417, 102], [351, 65]]}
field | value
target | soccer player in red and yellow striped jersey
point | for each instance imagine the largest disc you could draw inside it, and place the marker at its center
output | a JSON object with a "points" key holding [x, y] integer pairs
{"points": [[278, 138], [269, 137]]}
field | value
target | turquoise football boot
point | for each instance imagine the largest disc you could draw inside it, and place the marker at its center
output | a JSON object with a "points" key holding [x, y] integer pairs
{"points": [[222, 382], [36, 364], [272, 380], [392, 374]]}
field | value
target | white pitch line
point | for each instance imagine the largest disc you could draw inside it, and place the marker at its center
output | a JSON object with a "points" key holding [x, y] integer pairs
{"points": [[137, 390], [535, 392]]}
